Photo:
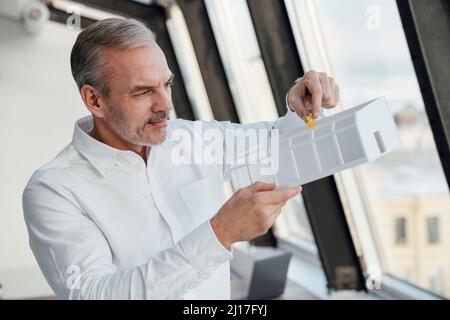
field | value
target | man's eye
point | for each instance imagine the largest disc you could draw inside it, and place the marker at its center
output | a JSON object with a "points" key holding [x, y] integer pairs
{"points": [[143, 93], [169, 84]]}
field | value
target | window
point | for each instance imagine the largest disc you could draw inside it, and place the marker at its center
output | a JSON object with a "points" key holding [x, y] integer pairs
{"points": [[400, 230], [433, 229], [363, 46]]}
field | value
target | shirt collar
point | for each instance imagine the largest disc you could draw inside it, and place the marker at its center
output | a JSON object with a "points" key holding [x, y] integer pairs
{"points": [[100, 155]]}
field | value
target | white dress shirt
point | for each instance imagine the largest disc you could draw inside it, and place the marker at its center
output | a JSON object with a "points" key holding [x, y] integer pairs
{"points": [[104, 225]]}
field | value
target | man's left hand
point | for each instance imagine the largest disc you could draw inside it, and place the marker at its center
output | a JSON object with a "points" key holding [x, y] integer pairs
{"points": [[311, 92]]}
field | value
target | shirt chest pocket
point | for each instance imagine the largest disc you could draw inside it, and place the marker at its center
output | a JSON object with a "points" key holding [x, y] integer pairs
{"points": [[203, 198]]}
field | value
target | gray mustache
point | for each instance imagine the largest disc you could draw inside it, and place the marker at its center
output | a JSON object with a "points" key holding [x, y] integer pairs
{"points": [[158, 116]]}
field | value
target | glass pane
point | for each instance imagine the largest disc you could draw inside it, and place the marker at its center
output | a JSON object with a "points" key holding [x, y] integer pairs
{"points": [[369, 56]]}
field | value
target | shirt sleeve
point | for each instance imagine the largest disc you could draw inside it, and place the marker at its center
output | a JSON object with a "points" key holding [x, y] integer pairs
{"points": [[77, 262]]}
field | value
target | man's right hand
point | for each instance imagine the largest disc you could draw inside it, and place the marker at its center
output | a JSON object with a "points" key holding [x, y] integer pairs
{"points": [[250, 212]]}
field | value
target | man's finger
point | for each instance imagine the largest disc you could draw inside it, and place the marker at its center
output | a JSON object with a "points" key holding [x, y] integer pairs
{"points": [[333, 101], [327, 95], [280, 195], [315, 89], [336, 94], [261, 186], [301, 111], [304, 97], [298, 105]]}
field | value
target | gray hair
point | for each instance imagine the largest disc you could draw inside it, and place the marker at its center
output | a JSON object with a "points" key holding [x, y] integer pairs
{"points": [[109, 33]]}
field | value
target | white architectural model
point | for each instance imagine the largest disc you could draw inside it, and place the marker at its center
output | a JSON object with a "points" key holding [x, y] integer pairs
{"points": [[344, 140]]}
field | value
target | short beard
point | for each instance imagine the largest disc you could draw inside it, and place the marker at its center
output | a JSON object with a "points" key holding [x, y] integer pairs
{"points": [[131, 135]]}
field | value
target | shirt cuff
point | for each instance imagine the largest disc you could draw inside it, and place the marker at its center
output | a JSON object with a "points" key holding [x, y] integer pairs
{"points": [[203, 249]]}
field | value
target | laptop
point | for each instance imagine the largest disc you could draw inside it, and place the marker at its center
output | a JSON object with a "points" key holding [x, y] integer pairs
{"points": [[267, 278]]}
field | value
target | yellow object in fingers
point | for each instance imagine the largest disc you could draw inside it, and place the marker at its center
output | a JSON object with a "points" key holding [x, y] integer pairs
{"points": [[309, 119]]}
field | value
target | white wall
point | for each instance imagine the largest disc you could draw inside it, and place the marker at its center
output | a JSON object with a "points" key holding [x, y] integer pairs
{"points": [[39, 104]]}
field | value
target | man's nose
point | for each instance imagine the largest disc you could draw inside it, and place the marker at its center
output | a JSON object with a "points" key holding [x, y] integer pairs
{"points": [[163, 102]]}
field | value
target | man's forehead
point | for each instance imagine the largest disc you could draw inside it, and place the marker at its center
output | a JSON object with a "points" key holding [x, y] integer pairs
{"points": [[146, 64], [140, 83]]}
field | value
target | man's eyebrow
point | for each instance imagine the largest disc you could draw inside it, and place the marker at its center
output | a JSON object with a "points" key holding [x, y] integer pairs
{"points": [[147, 87], [141, 88]]}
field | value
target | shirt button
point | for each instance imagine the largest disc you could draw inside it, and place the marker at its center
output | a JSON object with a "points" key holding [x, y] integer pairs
{"points": [[116, 164]]}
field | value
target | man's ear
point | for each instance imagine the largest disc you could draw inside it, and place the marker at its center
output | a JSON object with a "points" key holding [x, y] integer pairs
{"points": [[93, 100]]}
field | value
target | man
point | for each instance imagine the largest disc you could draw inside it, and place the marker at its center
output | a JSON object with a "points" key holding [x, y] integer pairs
{"points": [[112, 216]]}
